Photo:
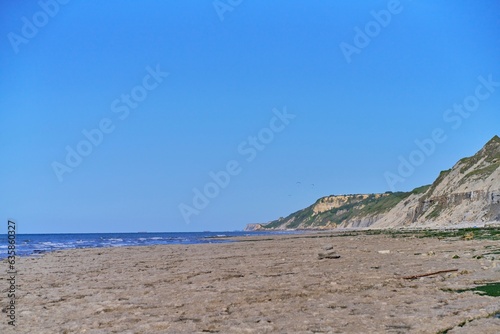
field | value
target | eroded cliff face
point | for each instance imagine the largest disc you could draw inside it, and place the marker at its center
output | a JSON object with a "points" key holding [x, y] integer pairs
{"points": [[474, 207], [333, 202], [467, 193], [329, 212]]}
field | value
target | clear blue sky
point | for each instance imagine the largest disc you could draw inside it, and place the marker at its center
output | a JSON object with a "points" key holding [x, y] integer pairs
{"points": [[67, 68]]}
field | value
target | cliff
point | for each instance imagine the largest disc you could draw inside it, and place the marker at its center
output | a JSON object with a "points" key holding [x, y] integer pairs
{"points": [[467, 193], [254, 227]]}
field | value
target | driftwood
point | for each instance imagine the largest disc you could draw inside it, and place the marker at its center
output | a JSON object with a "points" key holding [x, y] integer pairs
{"points": [[430, 274], [328, 255]]}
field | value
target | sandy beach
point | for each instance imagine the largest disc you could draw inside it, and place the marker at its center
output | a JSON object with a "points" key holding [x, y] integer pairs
{"points": [[315, 283]]}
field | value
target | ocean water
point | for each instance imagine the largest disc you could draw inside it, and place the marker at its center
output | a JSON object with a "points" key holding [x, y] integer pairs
{"points": [[33, 244]]}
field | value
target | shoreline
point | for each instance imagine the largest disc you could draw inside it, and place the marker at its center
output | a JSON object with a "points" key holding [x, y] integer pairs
{"points": [[429, 226], [224, 236], [37, 244], [262, 284]]}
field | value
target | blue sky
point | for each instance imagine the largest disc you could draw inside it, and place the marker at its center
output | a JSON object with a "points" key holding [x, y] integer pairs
{"points": [[68, 67]]}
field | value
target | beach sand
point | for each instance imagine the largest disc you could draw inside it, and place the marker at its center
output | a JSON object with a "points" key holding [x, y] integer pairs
{"points": [[265, 284]]}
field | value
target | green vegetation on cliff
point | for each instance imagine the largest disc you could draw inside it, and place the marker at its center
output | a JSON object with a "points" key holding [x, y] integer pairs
{"points": [[486, 161], [354, 207]]}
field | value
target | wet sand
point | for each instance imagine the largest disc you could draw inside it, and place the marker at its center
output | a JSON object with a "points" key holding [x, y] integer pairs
{"points": [[260, 285]]}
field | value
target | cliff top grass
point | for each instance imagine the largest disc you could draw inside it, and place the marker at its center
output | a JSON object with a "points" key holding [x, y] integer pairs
{"points": [[490, 153]]}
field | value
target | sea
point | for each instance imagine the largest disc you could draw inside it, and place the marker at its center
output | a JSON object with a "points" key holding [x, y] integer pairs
{"points": [[37, 244]]}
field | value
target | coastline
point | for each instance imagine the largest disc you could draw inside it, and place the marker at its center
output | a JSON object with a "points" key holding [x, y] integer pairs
{"points": [[423, 226], [262, 284], [36, 244]]}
